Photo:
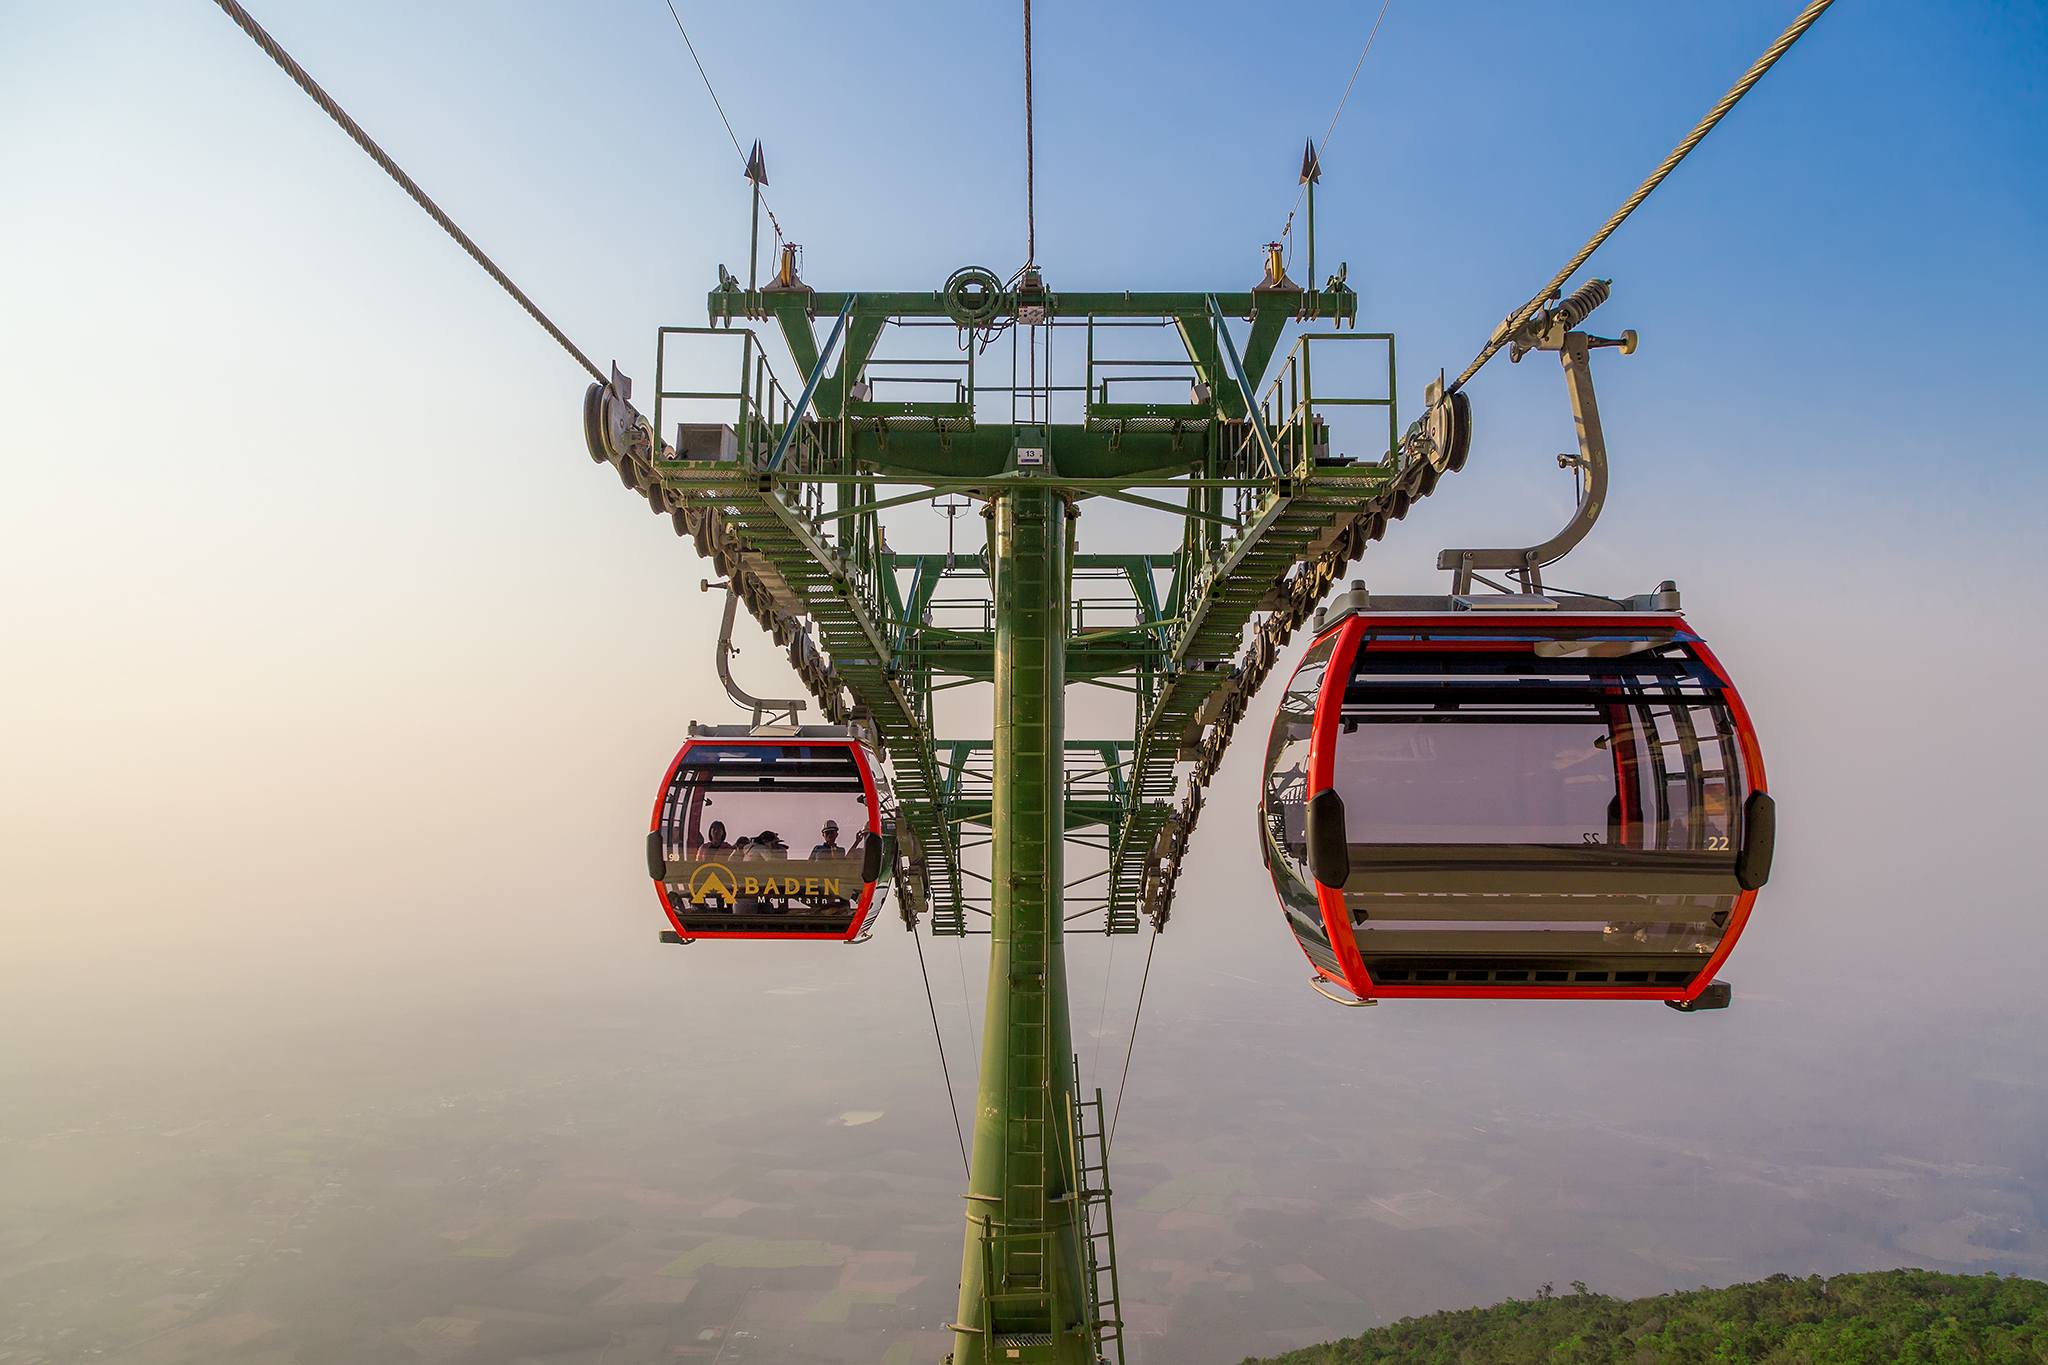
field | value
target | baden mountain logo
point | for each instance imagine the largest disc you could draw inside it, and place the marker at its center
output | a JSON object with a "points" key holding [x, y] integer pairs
{"points": [[714, 877]]}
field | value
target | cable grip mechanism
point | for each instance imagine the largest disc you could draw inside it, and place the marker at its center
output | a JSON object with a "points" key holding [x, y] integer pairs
{"points": [[1552, 330]]}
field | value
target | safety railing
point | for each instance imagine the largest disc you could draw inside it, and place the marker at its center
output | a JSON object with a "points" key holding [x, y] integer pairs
{"points": [[883, 403], [1178, 369], [756, 382], [761, 413], [961, 613], [1294, 411], [1298, 420]]}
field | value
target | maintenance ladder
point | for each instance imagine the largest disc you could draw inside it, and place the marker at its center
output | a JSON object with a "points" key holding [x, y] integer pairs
{"points": [[1098, 1229]]}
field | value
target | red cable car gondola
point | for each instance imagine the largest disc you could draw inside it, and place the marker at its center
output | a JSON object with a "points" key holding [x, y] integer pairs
{"points": [[1564, 800], [772, 832]]}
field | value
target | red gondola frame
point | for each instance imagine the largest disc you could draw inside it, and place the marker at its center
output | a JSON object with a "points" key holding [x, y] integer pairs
{"points": [[863, 914], [1350, 634]]}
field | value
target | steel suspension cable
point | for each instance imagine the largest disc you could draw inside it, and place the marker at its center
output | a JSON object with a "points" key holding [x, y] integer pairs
{"points": [[952, 1105], [966, 996], [1102, 1017], [1030, 158], [715, 104], [1358, 67], [405, 182], [1136, 1014], [719, 105], [1755, 73]]}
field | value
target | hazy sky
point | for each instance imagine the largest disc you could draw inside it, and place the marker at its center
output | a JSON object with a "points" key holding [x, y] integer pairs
{"points": [[336, 674]]}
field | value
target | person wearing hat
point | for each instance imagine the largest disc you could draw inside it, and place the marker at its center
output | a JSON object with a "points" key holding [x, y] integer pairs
{"points": [[830, 849]]}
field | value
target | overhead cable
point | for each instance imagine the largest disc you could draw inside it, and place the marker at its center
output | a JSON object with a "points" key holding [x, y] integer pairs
{"points": [[1514, 320], [952, 1104], [1102, 1019], [1136, 1014], [966, 996], [405, 182], [1359, 66], [707, 80], [1030, 167], [717, 104]]}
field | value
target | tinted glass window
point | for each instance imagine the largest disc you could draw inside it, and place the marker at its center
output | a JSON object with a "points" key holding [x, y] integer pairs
{"points": [[1506, 747], [784, 823], [1504, 782], [1283, 812], [1287, 760]]}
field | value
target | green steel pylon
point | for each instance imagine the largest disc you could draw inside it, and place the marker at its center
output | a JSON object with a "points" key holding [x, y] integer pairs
{"points": [[786, 498], [1020, 1273]]}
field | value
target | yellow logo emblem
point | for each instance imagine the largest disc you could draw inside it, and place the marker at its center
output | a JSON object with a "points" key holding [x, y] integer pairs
{"points": [[713, 877]]}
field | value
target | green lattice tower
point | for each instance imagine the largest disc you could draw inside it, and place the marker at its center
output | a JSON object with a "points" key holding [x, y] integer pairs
{"points": [[1020, 1273], [1267, 525]]}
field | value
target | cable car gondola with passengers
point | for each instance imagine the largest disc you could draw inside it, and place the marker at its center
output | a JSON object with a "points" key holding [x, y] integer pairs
{"points": [[771, 832]]}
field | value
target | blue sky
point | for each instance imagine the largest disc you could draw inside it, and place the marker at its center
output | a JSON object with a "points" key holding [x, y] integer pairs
{"points": [[299, 549]]}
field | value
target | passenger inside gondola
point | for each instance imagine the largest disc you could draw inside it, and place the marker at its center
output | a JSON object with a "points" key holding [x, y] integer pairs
{"points": [[757, 879], [827, 850]]}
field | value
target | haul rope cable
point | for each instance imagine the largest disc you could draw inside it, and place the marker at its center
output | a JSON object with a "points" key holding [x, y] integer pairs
{"points": [[1513, 322], [952, 1104], [405, 182], [298, 73]]}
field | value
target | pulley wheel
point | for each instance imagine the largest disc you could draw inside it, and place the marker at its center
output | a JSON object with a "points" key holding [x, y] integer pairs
{"points": [[593, 422], [1450, 432], [973, 295]]}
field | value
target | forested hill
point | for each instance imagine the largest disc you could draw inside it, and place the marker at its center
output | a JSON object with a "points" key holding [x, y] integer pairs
{"points": [[1895, 1317]]}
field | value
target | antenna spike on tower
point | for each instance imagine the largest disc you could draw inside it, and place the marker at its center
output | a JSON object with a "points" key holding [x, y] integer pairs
{"points": [[1311, 169], [757, 165]]}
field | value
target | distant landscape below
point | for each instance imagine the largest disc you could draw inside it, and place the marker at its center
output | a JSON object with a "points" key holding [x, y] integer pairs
{"points": [[1901, 1315], [749, 1158]]}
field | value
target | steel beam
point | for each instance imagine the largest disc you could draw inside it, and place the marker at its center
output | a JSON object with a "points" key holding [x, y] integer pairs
{"points": [[1331, 305]]}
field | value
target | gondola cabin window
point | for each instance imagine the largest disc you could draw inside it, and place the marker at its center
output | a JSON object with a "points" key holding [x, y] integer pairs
{"points": [[1284, 837], [766, 838], [1437, 781], [1517, 809], [1511, 748]]}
